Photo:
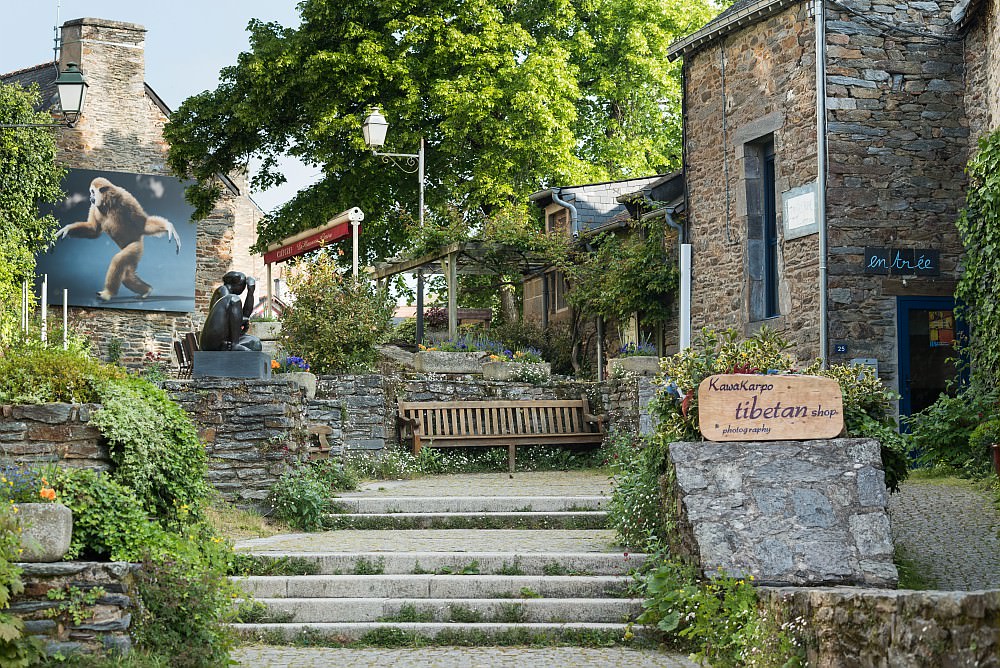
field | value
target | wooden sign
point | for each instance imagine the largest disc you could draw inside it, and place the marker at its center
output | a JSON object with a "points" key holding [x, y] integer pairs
{"points": [[742, 407], [309, 243]]}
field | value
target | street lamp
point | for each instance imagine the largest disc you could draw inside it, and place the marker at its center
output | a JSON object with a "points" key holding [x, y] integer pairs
{"points": [[72, 88], [374, 129]]}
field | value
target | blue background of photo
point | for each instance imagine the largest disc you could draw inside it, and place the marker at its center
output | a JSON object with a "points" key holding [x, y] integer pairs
{"points": [[80, 265]]}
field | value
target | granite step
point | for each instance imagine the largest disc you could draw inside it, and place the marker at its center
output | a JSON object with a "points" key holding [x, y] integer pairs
{"points": [[355, 503], [487, 563], [593, 519], [479, 610]]}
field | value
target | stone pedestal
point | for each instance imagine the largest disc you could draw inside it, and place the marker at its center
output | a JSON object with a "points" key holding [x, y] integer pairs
{"points": [[232, 364], [799, 513], [46, 531]]}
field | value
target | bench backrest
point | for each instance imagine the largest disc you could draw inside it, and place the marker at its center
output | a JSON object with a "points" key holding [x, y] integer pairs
{"points": [[498, 418]]}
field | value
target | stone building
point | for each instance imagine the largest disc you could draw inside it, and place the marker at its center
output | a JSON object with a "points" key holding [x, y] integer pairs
{"points": [[904, 84], [121, 131], [588, 210]]}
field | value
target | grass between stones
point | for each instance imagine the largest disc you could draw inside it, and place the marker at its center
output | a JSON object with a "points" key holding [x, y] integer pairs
{"points": [[911, 574], [388, 522]]}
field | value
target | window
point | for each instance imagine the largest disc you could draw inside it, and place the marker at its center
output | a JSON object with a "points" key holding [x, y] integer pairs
{"points": [[763, 272], [557, 288]]}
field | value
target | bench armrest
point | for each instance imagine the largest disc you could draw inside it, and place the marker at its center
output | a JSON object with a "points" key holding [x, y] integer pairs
{"points": [[599, 419]]}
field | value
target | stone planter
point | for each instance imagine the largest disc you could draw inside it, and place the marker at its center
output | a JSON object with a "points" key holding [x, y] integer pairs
{"points": [[640, 365], [265, 331], [436, 361], [304, 379], [46, 531], [515, 370]]}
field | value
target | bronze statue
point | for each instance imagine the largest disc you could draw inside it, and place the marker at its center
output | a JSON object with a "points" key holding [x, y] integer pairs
{"points": [[229, 317]]}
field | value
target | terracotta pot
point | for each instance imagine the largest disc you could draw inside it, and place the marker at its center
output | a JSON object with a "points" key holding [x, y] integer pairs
{"points": [[46, 531]]}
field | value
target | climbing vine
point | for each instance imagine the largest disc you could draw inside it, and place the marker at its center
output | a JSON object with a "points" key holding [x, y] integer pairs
{"points": [[978, 289]]}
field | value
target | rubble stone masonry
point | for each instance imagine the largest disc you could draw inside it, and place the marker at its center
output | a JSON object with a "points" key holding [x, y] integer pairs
{"points": [[898, 138]]}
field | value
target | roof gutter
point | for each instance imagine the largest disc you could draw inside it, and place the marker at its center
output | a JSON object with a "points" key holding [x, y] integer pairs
{"points": [[574, 217]]}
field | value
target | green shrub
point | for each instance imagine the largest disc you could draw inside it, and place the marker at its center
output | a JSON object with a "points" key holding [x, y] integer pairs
{"points": [[154, 447], [16, 649], [635, 509], [32, 373], [300, 499], [942, 433], [718, 617], [334, 475], [187, 601], [981, 443], [109, 521], [336, 320], [405, 331], [868, 410]]}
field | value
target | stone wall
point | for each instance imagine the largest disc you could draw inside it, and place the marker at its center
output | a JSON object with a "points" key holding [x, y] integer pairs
{"points": [[361, 409], [982, 97], [122, 130], [846, 627], [107, 627], [753, 83], [785, 512], [898, 144], [45, 433], [252, 431]]}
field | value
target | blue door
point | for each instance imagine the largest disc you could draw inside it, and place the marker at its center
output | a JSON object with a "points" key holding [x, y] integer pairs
{"points": [[926, 331]]}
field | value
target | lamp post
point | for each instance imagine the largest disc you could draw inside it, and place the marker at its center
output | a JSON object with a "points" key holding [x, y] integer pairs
{"points": [[72, 88], [374, 129]]}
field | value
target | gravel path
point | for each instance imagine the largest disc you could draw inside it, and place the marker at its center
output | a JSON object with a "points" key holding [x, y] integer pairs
{"points": [[950, 530]]}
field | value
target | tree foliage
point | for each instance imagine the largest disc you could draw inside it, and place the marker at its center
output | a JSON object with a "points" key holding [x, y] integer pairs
{"points": [[508, 96], [28, 177], [626, 275], [978, 291]]}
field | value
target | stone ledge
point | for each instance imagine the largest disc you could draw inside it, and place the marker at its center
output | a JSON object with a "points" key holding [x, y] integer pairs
{"points": [[849, 626]]}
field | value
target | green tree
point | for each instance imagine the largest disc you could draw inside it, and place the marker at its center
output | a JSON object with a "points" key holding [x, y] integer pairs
{"points": [[508, 95], [28, 177]]}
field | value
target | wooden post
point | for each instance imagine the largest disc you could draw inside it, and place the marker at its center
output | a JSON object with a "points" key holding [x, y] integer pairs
{"points": [[452, 274]]}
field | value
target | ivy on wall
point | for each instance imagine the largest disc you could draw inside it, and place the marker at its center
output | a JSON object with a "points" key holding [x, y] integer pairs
{"points": [[978, 291]]}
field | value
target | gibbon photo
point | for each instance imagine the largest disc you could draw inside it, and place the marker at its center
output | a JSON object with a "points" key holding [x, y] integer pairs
{"points": [[115, 212], [123, 240]]}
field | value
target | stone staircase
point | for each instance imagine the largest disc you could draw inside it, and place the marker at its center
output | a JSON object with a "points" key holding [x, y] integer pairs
{"points": [[494, 569]]}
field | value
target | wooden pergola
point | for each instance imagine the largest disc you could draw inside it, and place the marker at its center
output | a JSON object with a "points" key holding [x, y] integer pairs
{"points": [[476, 258]]}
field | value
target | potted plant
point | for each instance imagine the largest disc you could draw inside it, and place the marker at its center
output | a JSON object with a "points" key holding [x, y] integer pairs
{"points": [[519, 365], [295, 369], [46, 525], [463, 355], [636, 358], [265, 327]]}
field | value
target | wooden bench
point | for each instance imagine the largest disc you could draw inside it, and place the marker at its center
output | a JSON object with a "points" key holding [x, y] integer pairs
{"points": [[454, 424]]}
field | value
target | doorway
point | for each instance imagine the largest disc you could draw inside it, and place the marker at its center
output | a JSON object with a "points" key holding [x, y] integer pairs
{"points": [[927, 331]]}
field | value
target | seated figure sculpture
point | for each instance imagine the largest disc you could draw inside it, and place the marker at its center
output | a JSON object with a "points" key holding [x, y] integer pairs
{"points": [[229, 316]]}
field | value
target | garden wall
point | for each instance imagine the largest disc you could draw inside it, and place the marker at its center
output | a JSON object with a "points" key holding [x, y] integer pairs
{"points": [[107, 624], [847, 627], [252, 430], [45, 433], [361, 409]]}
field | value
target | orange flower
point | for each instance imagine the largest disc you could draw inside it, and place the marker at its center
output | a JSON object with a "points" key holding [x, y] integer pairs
{"points": [[275, 365], [47, 493]]}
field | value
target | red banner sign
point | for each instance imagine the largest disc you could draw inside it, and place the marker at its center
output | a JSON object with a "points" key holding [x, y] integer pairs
{"points": [[313, 242]]}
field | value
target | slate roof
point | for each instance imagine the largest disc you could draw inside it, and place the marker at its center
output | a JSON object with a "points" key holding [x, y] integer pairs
{"points": [[597, 204], [44, 75]]}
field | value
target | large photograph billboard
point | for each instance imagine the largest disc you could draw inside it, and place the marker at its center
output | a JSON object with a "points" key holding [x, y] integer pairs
{"points": [[124, 241]]}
